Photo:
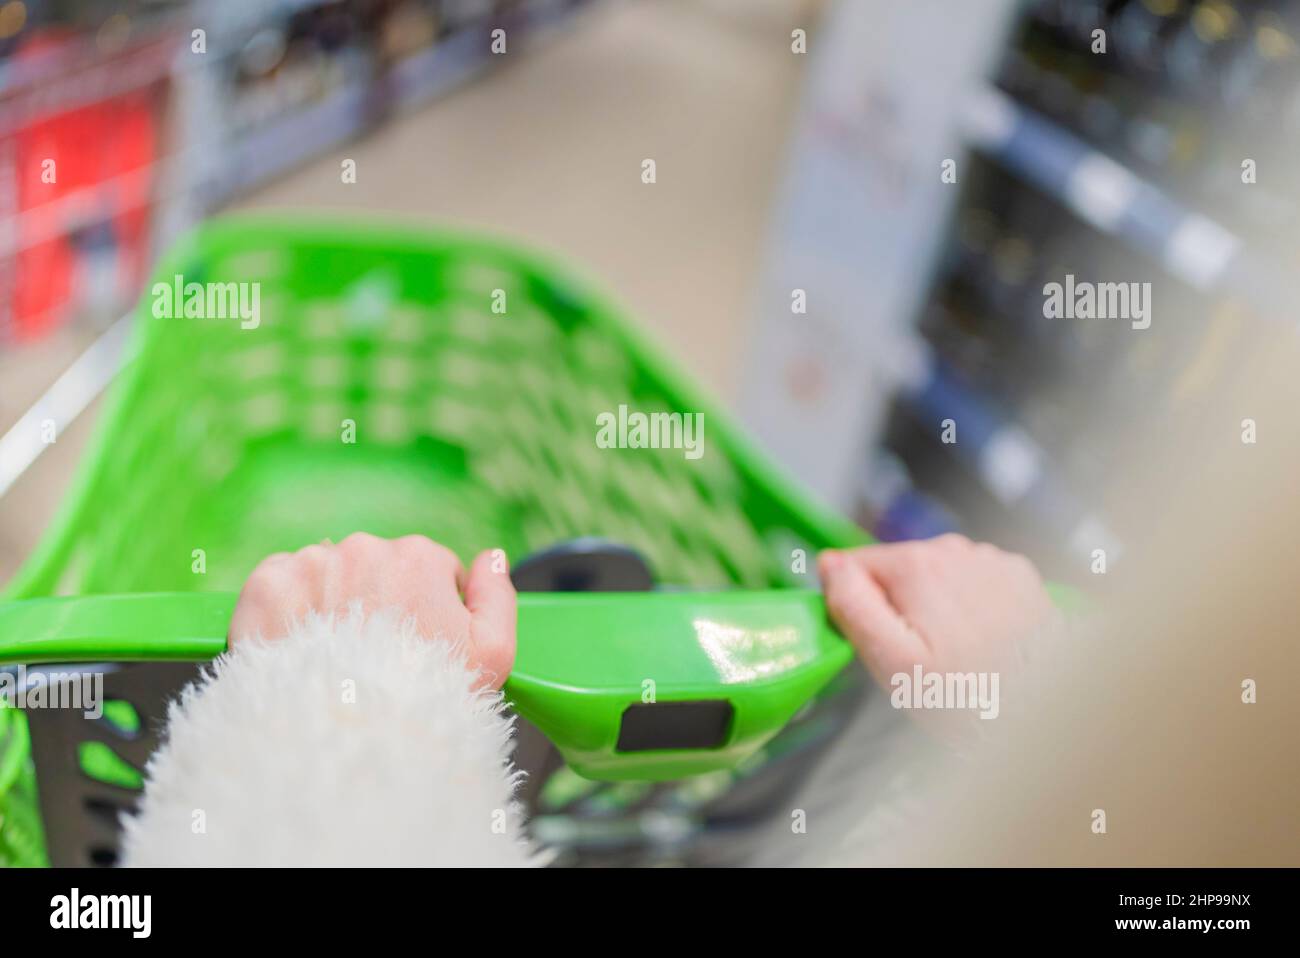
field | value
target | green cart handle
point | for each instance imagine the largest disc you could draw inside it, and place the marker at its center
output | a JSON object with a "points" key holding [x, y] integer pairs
{"points": [[628, 685]]}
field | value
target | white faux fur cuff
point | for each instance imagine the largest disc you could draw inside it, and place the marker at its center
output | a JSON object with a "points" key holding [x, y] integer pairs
{"points": [[352, 742]]}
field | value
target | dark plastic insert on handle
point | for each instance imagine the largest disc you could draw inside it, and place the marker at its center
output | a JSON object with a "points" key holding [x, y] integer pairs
{"points": [[668, 725]]}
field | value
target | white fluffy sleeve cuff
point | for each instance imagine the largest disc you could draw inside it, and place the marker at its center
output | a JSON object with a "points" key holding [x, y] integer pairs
{"points": [[350, 742]]}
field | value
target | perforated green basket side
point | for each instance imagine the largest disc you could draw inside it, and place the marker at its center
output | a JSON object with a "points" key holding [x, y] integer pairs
{"points": [[22, 843], [474, 427]]}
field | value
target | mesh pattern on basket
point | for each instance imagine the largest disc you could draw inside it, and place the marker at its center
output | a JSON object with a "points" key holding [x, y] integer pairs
{"points": [[473, 427]]}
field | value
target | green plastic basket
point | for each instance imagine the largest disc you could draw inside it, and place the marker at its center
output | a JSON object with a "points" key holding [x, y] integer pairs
{"points": [[477, 427]]}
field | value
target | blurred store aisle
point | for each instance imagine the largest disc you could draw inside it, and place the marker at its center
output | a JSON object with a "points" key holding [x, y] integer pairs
{"points": [[706, 94], [550, 149]]}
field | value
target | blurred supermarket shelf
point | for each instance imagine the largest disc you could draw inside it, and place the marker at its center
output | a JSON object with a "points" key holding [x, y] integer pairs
{"points": [[1011, 465], [1104, 193], [191, 106], [1118, 202], [933, 196], [267, 151]]}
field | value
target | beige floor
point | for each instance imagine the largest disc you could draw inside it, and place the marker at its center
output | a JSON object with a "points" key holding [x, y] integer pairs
{"points": [[548, 149]]}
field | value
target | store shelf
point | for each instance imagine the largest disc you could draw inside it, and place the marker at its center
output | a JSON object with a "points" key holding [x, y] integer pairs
{"points": [[266, 152], [1105, 194], [1011, 466]]}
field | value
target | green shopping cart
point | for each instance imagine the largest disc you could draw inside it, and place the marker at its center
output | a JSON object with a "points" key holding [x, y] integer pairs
{"points": [[397, 381]]}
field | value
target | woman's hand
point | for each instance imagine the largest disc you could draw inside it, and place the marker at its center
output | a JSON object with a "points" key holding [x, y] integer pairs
{"points": [[948, 605], [413, 575]]}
